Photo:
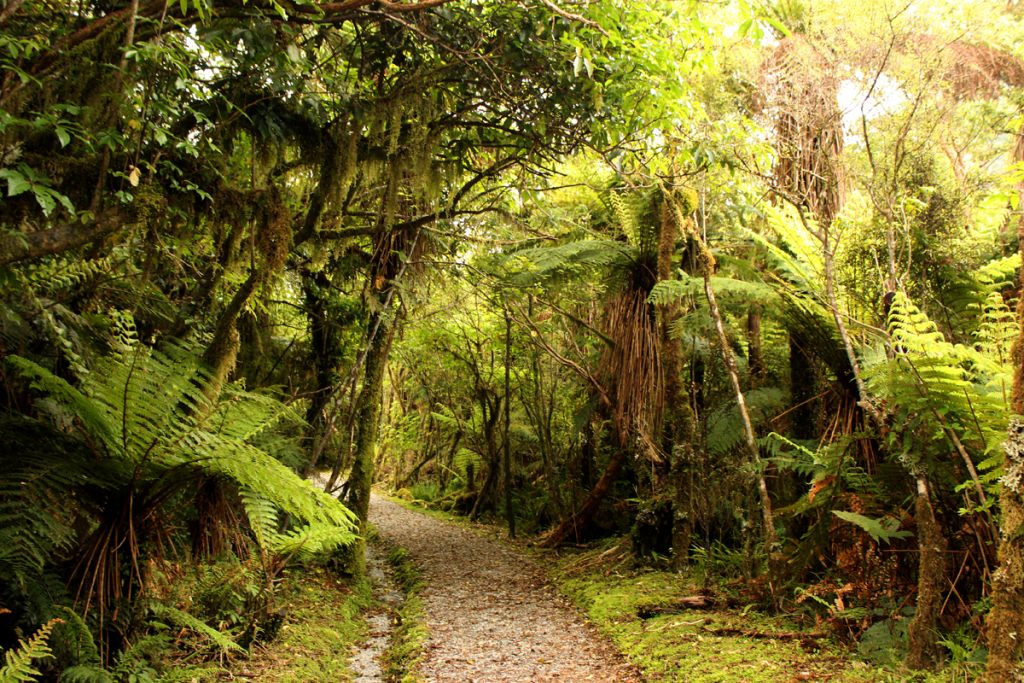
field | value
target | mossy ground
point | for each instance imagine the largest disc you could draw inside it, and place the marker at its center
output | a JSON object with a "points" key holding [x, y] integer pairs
{"points": [[321, 625], [406, 649], [690, 646], [704, 646]]}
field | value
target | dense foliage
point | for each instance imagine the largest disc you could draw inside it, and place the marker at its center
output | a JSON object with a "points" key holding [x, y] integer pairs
{"points": [[739, 281]]}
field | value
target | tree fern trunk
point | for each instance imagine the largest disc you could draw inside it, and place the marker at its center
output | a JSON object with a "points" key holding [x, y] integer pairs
{"points": [[677, 431]]}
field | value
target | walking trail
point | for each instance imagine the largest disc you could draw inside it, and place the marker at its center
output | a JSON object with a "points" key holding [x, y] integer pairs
{"points": [[492, 615]]}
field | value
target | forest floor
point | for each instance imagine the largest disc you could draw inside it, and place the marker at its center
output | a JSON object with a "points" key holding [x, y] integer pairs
{"points": [[497, 612], [491, 613]]}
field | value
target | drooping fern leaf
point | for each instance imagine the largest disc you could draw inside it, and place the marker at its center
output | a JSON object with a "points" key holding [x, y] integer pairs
{"points": [[882, 530]]}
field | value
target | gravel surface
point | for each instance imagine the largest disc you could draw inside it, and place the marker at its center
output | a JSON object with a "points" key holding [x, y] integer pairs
{"points": [[492, 615]]}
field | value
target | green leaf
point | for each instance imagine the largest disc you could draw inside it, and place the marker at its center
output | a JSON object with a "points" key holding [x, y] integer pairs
{"points": [[882, 530], [16, 182]]}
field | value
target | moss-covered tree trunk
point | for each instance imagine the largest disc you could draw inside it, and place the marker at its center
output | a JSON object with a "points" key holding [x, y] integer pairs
{"points": [[367, 410], [677, 431], [1005, 623], [923, 636]]}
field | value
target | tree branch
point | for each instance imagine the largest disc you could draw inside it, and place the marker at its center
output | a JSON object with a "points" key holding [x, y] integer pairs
{"points": [[22, 246]]}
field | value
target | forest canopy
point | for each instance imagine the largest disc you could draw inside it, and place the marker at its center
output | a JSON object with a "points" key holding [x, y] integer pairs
{"points": [[737, 280]]}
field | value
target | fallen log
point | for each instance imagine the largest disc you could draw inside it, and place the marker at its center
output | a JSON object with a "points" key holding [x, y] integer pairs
{"points": [[676, 606]]}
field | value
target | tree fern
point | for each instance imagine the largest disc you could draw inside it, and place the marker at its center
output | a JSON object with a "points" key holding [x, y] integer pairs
{"points": [[146, 407], [546, 264], [154, 431]]}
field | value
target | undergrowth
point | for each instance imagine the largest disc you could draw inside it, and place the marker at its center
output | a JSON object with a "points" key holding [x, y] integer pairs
{"points": [[639, 609], [322, 619]]}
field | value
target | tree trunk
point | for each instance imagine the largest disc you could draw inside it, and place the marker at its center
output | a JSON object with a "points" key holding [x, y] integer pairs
{"points": [[923, 646], [367, 410], [767, 519], [510, 513], [573, 525], [755, 357], [223, 349], [490, 414], [677, 431], [326, 359], [1005, 623]]}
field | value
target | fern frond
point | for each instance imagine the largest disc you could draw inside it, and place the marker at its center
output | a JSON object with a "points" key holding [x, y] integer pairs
{"points": [[74, 638], [999, 273], [39, 471], [546, 264], [86, 673], [263, 517], [62, 272], [92, 416], [686, 287], [725, 427], [18, 667], [185, 620], [311, 541]]}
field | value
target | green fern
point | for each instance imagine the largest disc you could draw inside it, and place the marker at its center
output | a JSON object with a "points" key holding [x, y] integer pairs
{"points": [[634, 213], [62, 272], [185, 620], [86, 673], [73, 641], [882, 530], [36, 517], [18, 664], [674, 291], [144, 406], [546, 264], [936, 389], [725, 427], [154, 432]]}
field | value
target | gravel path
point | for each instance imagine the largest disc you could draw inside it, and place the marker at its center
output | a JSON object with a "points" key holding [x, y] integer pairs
{"points": [[492, 615]]}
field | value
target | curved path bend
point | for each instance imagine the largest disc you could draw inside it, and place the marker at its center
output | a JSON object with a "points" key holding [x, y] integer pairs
{"points": [[492, 615]]}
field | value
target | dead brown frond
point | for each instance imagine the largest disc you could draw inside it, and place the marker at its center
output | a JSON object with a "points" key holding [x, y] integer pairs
{"points": [[633, 364], [970, 71], [800, 88]]}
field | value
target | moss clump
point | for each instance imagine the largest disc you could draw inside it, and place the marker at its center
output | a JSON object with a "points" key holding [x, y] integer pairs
{"points": [[406, 650]]}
